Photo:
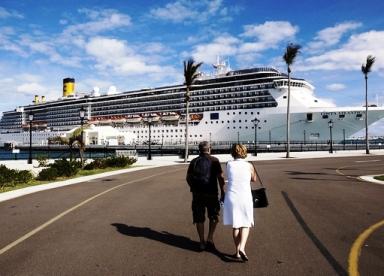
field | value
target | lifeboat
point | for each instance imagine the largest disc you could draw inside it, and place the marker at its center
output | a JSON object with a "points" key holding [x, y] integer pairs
{"points": [[170, 116], [133, 119], [105, 122], [196, 117], [118, 119], [154, 117]]}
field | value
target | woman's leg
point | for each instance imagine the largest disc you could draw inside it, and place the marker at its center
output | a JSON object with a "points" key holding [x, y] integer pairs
{"points": [[244, 233], [236, 239]]}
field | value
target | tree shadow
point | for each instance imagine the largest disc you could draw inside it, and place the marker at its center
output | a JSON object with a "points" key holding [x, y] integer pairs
{"points": [[166, 238]]}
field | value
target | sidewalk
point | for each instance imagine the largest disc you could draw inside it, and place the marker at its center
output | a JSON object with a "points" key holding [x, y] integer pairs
{"points": [[158, 161]]}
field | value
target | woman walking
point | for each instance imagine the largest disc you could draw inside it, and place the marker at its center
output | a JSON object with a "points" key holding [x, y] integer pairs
{"points": [[238, 205]]}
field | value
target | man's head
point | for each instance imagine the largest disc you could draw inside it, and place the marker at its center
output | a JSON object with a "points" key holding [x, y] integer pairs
{"points": [[204, 147]]}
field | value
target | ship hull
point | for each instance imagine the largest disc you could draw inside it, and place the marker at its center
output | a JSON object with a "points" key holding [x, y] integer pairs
{"points": [[235, 125]]}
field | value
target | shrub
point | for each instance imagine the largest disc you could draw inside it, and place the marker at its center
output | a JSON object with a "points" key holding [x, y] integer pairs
{"points": [[66, 168], [96, 164], [9, 177], [23, 176], [120, 161], [43, 160], [48, 174], [6, 176]]}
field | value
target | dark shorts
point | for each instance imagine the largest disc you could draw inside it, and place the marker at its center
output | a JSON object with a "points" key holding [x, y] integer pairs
{"points": [[201, 202]]}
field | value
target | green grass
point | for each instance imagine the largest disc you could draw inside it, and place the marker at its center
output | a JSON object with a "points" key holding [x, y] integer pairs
{"points": [[379, 177], [79, 174]]}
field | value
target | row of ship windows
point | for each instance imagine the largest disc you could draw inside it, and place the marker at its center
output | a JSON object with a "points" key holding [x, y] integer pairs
{"points": [[218, 92], [342, 116], [233, 121], [232, 89], [193, 109], [162, 131], [194, 101]]}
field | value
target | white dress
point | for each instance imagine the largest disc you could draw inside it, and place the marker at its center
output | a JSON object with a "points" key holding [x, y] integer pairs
{"points": [[238, 205]]}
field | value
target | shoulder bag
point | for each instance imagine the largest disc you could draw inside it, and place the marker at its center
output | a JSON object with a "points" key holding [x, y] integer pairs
{"points": [[259, 196]]}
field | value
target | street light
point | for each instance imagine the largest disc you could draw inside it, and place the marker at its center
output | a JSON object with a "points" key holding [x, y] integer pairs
{"points": [[256, 123], [149, 157], [30, 118], [330, 124]]}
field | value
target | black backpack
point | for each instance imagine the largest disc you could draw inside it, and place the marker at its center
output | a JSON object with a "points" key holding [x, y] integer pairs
{"points": [[200, 175]]}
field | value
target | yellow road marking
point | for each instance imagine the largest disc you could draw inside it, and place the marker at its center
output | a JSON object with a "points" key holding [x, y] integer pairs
{"points": [[354, 254], [41, 227]]}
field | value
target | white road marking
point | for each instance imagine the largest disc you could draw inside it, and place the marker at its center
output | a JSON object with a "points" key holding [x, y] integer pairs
{"points": [[367, 161]]}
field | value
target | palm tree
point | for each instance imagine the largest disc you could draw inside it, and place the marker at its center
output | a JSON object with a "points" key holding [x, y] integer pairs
{"points": [[72, 141], [289, 56], [75, 140], [366, 69], [190, 75]]}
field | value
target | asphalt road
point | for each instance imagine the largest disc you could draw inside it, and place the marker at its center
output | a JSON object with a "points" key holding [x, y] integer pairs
{"points": [[141, 224]]}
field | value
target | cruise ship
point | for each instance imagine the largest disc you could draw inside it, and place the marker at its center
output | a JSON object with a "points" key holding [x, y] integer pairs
{"points": [[224, 107]]}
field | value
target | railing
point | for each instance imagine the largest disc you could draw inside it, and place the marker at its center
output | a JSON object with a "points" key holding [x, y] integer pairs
{"points": [[177, 147]]}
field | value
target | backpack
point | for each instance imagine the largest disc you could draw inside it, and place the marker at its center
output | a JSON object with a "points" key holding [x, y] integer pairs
{"points": [[200, 175]]}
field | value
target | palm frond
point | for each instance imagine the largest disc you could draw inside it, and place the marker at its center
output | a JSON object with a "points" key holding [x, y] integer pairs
{"points": [[290, 53], [190, 71], [368, 65]]}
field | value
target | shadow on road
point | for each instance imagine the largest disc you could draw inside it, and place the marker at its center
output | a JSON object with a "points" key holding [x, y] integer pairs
{"points": [[323, 250], [167, 238]]}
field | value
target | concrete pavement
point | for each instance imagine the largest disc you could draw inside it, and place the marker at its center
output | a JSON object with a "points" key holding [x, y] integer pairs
{"points": [[158, 161]]}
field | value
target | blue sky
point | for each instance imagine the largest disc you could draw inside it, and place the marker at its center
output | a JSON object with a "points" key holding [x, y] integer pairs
{"points": [[139, 44]]}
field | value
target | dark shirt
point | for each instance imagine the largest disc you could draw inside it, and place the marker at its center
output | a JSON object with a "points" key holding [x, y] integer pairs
{"points": [[216, 171]]}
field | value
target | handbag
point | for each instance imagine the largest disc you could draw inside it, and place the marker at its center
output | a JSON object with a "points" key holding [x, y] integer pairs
{"points": [[259, 196]]}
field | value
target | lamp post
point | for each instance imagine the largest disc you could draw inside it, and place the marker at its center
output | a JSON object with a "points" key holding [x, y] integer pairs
{"points": [[149, 157], [330, 124], [256, 124], [238, 137], [30, 118]]}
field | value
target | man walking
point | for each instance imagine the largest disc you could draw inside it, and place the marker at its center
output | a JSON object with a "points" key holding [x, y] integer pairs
{"points": [[203, 176]]}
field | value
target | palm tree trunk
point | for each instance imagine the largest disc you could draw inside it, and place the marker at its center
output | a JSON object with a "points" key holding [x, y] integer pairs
{"points": [[186, 126], [288, 115], [366, 116]]}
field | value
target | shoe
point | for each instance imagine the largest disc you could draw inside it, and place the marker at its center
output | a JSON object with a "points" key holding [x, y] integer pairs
{"points": [[243, 256], [211, 246], [235, 257]]}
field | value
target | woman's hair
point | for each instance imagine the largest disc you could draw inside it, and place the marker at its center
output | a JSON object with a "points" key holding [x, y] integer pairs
{"points": [[239, 151]]}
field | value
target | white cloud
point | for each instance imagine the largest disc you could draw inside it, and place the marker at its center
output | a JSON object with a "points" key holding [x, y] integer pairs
{"points": [[101, 21], [9, 14], [116, 55], [264, 36], [29, 88], [271, 31], [221, 46], [184, 10], [335, 87], [332, 35], [351, 55]]}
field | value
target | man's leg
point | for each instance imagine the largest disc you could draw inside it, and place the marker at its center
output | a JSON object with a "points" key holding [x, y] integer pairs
{"points": [[212, 228], [200, 231]]}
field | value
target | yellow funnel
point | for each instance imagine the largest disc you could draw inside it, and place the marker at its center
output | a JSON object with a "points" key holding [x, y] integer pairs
{"points": [[36, 100], [68, 87]]}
